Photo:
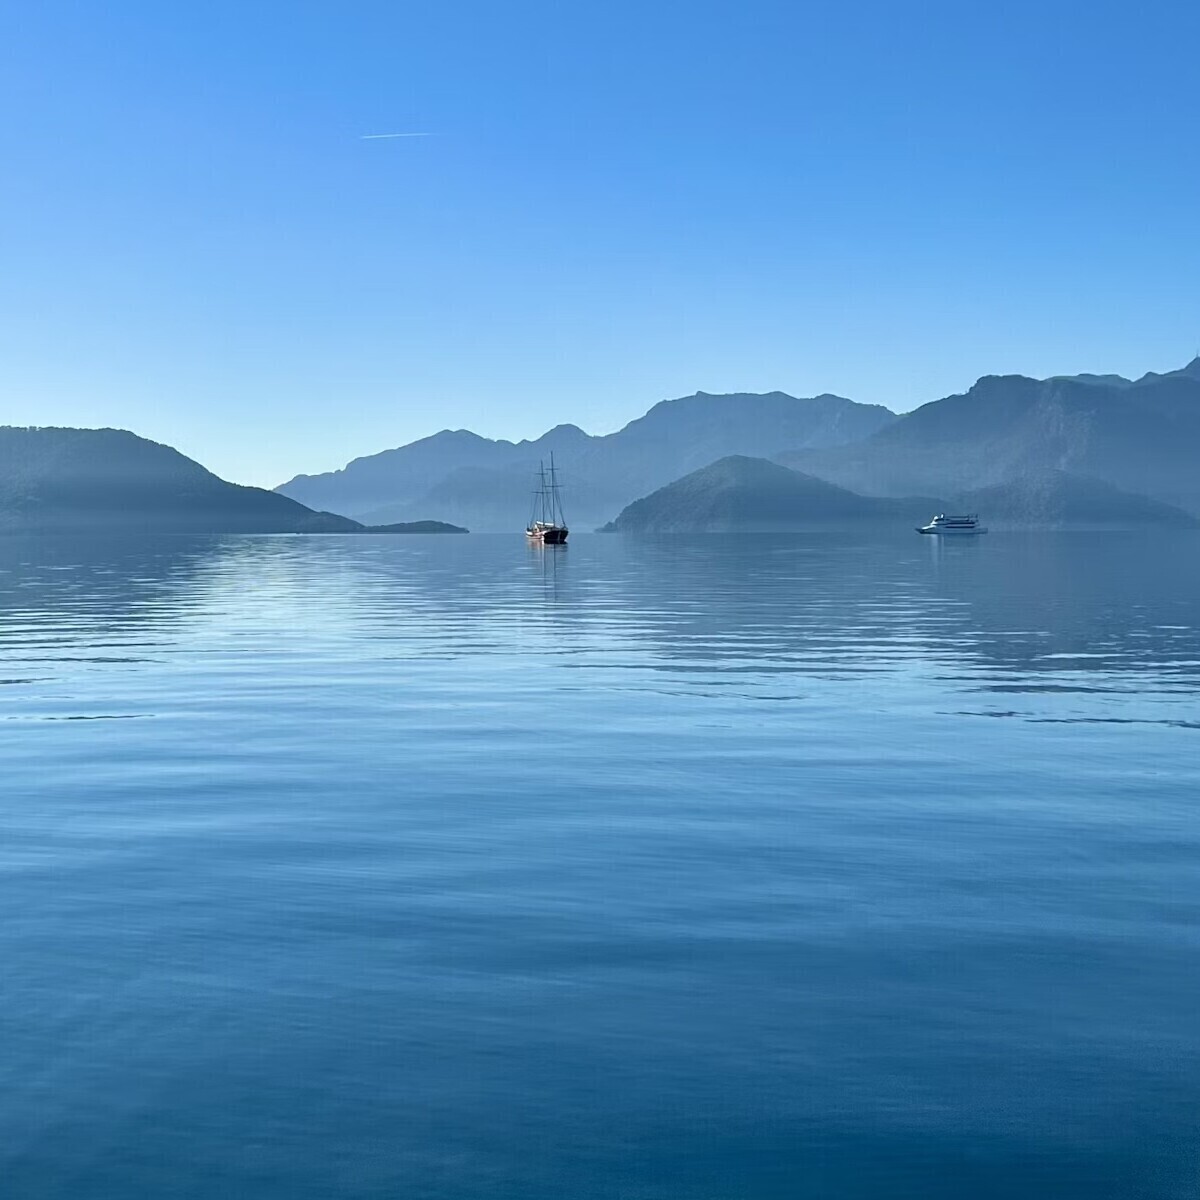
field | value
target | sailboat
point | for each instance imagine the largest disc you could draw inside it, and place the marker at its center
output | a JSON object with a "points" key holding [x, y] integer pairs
{"points": [[547, 523]]}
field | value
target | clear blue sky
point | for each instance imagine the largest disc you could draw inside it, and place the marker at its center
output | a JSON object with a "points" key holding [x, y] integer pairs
{"points": [[621, 202]]}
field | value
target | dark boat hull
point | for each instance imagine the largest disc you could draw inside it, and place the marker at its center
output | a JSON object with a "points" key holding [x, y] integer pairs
{"points": [[548, 537]]}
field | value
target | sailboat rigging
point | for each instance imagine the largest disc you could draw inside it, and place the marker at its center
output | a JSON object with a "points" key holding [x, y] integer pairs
{"points": [[547, 524]]}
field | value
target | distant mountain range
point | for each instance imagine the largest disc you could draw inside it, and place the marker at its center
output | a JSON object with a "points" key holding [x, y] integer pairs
{"points": [[111, 481], [1049, 446], [1055, 499], [1083, 450], [1139, 436], [737, 494], [487, 484], [752, 495]]}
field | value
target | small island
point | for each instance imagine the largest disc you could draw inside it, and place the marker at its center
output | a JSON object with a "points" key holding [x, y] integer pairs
{"points": [[416, 527]]}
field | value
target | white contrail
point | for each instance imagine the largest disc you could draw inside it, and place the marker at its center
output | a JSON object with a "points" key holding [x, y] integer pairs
{"points": [[368, 136]]}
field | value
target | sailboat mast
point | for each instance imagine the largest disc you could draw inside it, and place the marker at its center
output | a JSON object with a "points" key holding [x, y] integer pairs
{"points": [[548, 525], [556, 513], [539, 498]]}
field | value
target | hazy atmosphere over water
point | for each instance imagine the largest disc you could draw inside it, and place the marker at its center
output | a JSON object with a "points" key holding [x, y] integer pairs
{"points": [[617, 203], [709, 868], [359, 840]]}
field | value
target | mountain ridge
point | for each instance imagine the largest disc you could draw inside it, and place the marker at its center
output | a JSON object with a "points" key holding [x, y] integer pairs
{"points": [[602, 472], [1059, 500], [59, 479], [1137, 435], [744, 495], [1140, 436], [739, 494], [1056, 451]]}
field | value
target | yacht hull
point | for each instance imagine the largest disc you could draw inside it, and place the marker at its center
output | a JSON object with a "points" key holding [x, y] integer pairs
{"points": [[947, 525], [547, 537]]}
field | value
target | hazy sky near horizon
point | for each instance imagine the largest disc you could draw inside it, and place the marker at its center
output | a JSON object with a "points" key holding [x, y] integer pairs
{"points": [[616, 202]]}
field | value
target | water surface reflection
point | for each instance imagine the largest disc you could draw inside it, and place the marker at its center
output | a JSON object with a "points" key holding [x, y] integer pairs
{"points": [[697, 868]]}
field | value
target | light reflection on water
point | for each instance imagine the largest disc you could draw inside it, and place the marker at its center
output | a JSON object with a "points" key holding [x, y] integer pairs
{"points": [[700, 868]]}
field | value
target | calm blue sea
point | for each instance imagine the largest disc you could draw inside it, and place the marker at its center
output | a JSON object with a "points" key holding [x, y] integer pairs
{"points": [[705, 869]]}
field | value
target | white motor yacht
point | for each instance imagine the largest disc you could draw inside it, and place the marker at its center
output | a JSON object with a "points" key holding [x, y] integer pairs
{"points": [[943, 524]]}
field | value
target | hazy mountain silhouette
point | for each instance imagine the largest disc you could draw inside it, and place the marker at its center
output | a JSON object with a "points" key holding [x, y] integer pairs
{"points": [[397, 477], [1070, 450], [1141, 436], [752, 495], [483, 498], [486, 484], [416, 527], [109, 480], [1058, 500]]}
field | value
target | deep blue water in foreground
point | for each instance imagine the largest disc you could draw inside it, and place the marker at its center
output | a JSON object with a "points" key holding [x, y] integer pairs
{"points": [[714, 869]]}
